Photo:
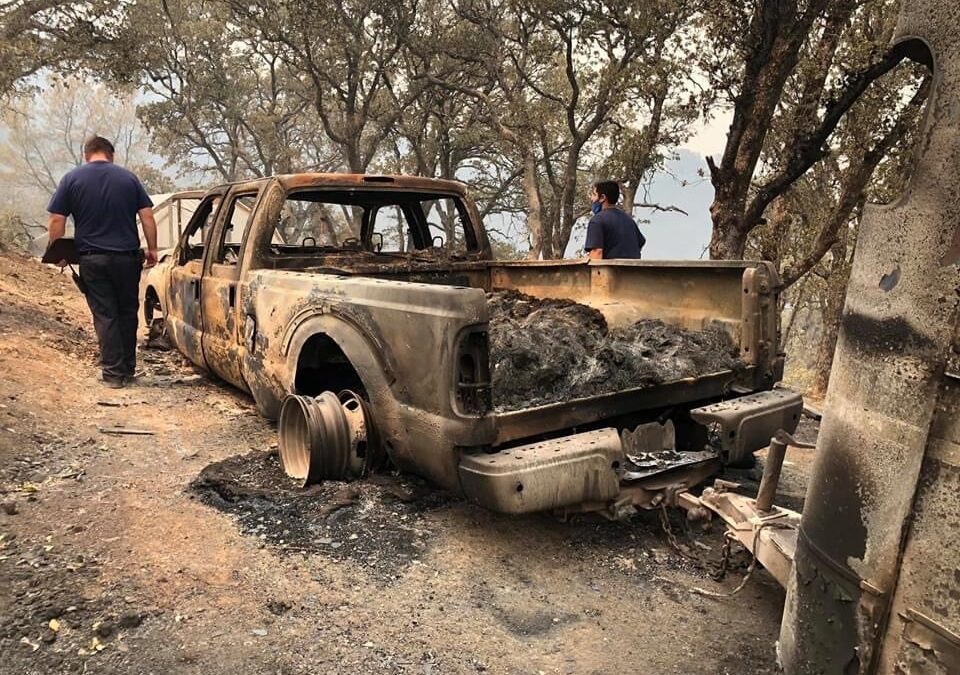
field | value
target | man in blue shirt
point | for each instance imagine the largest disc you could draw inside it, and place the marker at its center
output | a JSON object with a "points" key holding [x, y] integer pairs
{"points": [[611, 233], [104, 200]]}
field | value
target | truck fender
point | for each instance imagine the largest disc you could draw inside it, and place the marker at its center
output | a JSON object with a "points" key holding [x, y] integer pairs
{"points": [[356, 346]]}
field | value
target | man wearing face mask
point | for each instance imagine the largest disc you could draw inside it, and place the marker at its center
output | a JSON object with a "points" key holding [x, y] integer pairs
{"points": [[611, 233]]}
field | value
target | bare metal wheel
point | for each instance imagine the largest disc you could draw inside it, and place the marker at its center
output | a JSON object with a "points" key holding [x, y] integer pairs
{"points": [[366, 449], [327, 437]]}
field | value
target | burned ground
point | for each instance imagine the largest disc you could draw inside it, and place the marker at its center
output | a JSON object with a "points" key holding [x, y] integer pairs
{"points": [[149, 554], [545, 351], [332, 519]]}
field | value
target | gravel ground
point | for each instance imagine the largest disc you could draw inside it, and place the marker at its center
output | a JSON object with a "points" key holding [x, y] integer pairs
{"points": [[187, 550]]}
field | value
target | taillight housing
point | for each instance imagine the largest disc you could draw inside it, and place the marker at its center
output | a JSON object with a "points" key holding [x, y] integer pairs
{"points": [[472, 392]]}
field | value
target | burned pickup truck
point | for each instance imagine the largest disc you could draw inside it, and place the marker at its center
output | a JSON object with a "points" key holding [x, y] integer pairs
{"points": [[366, 313]]}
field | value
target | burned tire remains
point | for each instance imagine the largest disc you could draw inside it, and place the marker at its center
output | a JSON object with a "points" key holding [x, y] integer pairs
{"points": [[547, 351]]}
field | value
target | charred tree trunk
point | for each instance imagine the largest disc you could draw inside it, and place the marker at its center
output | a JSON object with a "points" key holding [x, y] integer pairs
{"points": [[777, 33], [729, 238]]}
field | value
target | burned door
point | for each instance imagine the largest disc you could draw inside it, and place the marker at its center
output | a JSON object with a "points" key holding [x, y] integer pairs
{"points": [[184, 316], [221, 343]]}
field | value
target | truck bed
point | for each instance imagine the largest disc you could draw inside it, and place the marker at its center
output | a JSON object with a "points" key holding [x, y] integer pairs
{"points": [[691, 295], [739, 296]]}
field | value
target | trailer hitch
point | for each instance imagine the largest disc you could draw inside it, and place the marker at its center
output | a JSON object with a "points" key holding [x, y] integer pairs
{"points": [[769, 531]]}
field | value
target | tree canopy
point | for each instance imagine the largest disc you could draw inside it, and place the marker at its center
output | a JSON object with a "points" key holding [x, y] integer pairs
{"points": [[528, 101]]}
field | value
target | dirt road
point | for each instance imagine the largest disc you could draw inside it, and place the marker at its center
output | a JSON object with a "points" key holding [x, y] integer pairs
{"points": [[185, 551]]}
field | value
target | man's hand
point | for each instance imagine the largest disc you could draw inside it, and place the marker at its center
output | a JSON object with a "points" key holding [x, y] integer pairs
{"points": [[151, 258], [149, 224]]}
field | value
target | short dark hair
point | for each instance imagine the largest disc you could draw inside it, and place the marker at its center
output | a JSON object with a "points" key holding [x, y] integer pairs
{"points": [[609, 189], [97, 144]]}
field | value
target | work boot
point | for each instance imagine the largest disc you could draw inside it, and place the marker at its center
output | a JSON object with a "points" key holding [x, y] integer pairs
{"points": [[112, 382]]}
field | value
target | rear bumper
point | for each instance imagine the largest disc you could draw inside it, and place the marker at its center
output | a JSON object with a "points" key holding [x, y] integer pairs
{"points": [[546, 475], [588, 468], [746, 424]]}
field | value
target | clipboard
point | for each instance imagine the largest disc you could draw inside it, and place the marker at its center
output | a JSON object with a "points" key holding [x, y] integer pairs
{"points": [[63, 249]]}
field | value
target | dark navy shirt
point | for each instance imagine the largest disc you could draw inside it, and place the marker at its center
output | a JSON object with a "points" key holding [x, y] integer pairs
{"points": [[616, 233], [103, 199]]}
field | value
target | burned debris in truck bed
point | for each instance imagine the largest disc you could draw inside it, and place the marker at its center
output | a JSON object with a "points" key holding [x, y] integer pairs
{"points": [[547, 350]]}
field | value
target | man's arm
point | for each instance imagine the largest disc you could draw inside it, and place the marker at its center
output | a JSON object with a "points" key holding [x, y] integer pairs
{"points": [[56, 227], [58, 209], [149, 225], [594, 241]]}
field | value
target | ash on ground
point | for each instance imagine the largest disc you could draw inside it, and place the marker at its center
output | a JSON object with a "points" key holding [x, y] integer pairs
{"points": [[386, 522], [378, 522], [545, 351]]}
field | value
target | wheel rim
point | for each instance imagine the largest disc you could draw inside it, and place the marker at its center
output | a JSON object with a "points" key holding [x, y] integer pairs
{"points": [[326, 437]]}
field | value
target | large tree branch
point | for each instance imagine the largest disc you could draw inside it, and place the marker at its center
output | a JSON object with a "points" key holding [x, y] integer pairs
{"points": [[812, 148], [817, 68], [669, 208], [482, 97], [762, 33], [856, 179]]}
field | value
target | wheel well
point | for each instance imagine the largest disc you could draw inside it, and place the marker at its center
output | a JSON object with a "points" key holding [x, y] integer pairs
{"points": [[151, 303], [322, 366]]}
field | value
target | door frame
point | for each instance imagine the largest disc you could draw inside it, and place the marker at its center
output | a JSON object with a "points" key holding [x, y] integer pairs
{"points": [[219, 294], [184, 310]]}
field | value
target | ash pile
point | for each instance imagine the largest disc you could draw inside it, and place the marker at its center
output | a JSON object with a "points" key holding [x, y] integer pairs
{"points": [[546, 351]]}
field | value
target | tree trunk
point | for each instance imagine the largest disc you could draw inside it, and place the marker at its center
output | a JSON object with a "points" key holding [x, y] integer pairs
{"points": [[836, 296], [796, 304], [828, 342], [568, 196], [728, 240], [548, 220], [539, 241], [777, 32], [629, 197]]}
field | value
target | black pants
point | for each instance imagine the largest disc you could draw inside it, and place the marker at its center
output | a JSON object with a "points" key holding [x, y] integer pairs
{"points": [[112, 286]]}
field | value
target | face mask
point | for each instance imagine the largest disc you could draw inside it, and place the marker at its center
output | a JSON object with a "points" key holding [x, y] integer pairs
{"points": [[596, 207]]}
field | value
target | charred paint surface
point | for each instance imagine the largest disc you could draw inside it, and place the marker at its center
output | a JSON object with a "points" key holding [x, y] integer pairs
{"points": [[925, 613], [398, 319], [843, 535], [874, 453], [889, 334], [830, 612]]}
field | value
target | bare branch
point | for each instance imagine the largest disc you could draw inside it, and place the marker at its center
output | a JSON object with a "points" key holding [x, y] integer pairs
{"points": [[669, 208]]}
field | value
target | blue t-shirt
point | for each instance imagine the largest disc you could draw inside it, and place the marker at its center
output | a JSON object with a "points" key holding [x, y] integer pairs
{"points": [[103, 199], [616, 233]]}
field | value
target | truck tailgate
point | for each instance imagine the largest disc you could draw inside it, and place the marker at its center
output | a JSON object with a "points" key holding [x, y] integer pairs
{"points": [[517, 424]]}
